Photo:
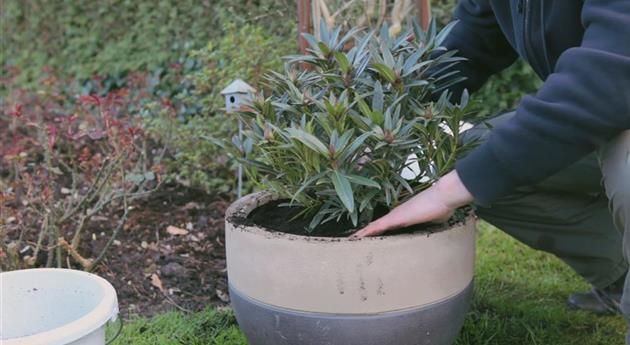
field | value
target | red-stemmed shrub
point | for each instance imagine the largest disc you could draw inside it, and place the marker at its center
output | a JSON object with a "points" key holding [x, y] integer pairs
{"points": [[65, 160]]}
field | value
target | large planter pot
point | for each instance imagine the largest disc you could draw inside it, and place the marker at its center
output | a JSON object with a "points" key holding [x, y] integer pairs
{"points": [[409, 289]]}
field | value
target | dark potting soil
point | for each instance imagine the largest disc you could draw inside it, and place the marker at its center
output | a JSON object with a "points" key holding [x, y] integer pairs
{"points": [[283, 219]]}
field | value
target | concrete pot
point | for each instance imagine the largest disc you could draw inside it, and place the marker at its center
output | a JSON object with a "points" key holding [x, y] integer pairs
{"points": [[411, 289]]}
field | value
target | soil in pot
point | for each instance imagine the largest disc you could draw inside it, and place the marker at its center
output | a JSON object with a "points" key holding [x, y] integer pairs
{"points": [[286, 219]]}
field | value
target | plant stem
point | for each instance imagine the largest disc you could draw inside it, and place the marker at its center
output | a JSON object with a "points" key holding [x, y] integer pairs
{"points": [[121, 224]]}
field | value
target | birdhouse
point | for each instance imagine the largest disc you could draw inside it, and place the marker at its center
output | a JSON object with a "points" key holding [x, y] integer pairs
{"points": [[237, 94]]}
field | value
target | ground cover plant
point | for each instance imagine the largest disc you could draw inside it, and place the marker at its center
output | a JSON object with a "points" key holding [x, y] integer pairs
{"points": [[335, 137], [519, 299]]}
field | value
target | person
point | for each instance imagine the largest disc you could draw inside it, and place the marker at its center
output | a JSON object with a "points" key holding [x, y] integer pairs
{"points": [[538, 172]]}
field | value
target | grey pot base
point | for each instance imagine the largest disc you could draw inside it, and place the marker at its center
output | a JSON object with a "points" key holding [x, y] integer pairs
{"points": [[435, 324]]}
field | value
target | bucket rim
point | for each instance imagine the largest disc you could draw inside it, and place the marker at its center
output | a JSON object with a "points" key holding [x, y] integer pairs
{"points": [[106, 310]]}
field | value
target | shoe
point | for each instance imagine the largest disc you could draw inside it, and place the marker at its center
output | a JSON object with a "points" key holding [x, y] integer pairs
{"points": [[599, 301]]}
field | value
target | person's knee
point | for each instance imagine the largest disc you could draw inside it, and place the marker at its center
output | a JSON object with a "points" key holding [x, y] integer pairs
{"points": [[620, 205], [616, 169]]}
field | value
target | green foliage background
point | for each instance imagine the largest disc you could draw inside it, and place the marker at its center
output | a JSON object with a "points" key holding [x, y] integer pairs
{"points": [[245, 52], [211, 42], [81, 38]]}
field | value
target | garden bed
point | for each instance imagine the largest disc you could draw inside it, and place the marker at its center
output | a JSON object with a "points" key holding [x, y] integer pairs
{"points": [[155, 268], [170, 254]]}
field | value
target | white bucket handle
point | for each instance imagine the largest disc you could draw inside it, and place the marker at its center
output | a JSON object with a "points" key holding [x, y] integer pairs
{"points": [[120, 327]]}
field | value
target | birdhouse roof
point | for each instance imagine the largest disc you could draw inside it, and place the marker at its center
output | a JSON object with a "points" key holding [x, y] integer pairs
{"points": [[238, 86]]}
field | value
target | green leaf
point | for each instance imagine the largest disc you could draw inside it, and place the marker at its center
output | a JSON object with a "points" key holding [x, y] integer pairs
{"points": [[388, 58], [317, 219], [364, 181], [364, 108], [354, 217], [324, 48], [342, 60], [354, 146], [324, 32], [388, 122], [463, 101], [385, 72], [343, 189], [308, 139], [444, 32], [305, 185], [149, 176], [403, 183], [417, 83], [363, 42], [311, 40], [346, 37], [419, 34], [343, 140], [367, 199], [411, 61], [378, 97]]}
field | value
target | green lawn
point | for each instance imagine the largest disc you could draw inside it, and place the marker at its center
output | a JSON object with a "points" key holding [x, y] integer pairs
{"points": [[519, 299]]}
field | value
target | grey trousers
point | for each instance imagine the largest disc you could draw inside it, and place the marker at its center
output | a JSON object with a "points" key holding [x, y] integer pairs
{"points": [[572, 214]]}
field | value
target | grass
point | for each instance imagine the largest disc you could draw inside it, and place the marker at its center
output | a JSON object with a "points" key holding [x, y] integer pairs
{"points": [[520, 298], [209, 327]]}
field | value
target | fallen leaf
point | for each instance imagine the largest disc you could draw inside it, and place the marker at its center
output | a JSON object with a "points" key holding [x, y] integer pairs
{"points": [[223, 296], [191, 205], [157, 282], [173, 230]]}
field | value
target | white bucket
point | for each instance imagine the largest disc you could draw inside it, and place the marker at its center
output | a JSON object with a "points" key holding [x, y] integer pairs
{"points": [[55, 307]]}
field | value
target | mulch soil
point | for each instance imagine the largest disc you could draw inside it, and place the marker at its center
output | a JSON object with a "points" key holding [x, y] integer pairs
{"points": [[154, 270]]}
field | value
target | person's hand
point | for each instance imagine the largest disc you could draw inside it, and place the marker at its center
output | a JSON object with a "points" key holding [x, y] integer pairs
{"points": [[435, 204]]}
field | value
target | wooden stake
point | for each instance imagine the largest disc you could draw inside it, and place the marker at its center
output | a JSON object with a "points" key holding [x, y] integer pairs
{"points": [[424, 13], [304, 22]]}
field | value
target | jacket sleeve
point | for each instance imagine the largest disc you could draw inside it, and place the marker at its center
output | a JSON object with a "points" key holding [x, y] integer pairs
{"points": [[583, 104], [477, 37]]}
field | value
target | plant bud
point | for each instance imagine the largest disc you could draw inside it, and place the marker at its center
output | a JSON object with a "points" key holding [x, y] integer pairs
{"points": [[388, 137], [428, 113], [268, 133]]}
